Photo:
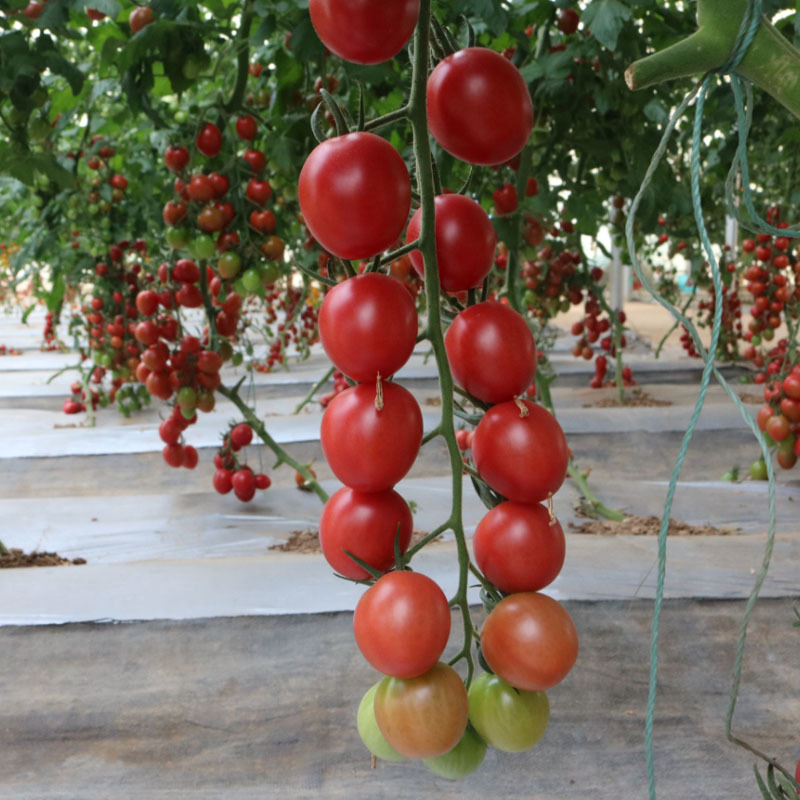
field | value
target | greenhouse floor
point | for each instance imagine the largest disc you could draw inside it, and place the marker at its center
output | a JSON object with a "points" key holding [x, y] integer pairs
{"points": [[235, 674]]}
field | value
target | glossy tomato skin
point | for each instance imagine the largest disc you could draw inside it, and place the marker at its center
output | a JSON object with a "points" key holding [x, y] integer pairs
{"points": [[368, 325], [479, 106], [402, 623], [462, 760], [423, 717], [364, 524], [517, 548], [491, 351], [522, 458], [364, 31], [465, 242], [368, 449], [355, 195], [508, 719], [530, 641]]}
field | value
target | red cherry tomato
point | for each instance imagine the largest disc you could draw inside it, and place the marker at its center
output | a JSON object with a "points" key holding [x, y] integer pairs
{"points": [[465, 242], [367, 32], [530, 641], [364, 524], [479, 106], [209, 140], [523, 458], [368, 325], [368, 449], [402, 623], [517, 548], [355, 195], [491, 351], [246, 127]]}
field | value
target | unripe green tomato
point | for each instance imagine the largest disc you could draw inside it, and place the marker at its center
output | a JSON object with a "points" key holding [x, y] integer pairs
{"points": [[229, 264], [251, 280], [787, 445], [181, 116], [187, 398], [509, 719], [369, 731], [93, 209], [768, 334], [103, 401], [529, 299], [237, 359], [564, 306], [177, 238], [105, 224], [290, 192], [269, 274], [102, 359], [72, 214], [756, 340], [202, 246], [758, 470], [462, 760]]}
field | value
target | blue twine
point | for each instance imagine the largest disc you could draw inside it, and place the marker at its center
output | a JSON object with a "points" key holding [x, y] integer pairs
{"points": [[745, 36]]}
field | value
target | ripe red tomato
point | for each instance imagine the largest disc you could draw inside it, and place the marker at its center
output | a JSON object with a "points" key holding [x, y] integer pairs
{"points": [[523, 458], [530, 641], [402, 623], [200, 189], [355, 195], [508, 719], [778, 427], [465, 242], [211, 219], [491, 351], [174, 212], [241, 436], [147, 302], [368, 449], [364, 524], [209, 140], [258, 191], [505, 199], [246, 127], [351, 30], [255, 159], [368, 325], [219, 183], [140, 17], [263, 221], [479, 106], [33, 10], [222, 480], [517, 548], [173, 454], [567, 20], [791, 386], [423, 717]]}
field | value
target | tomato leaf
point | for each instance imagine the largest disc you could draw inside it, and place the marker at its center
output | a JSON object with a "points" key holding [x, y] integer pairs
{"points": [[606, 18]]}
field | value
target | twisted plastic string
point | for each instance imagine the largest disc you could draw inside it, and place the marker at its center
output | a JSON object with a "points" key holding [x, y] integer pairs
{"points": [[746, 34]]}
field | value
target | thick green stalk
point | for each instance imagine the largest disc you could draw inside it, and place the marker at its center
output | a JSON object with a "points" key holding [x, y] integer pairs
{"points": [[771, 62], [242, 58], [417, 113], [511, 284]]}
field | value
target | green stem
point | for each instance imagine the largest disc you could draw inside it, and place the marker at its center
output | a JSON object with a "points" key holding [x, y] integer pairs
{"points": [[511, 282], [314, 389], [583, 486], [427, 245], [771, 62], [258, 426], [242, 58], [387, 119]]}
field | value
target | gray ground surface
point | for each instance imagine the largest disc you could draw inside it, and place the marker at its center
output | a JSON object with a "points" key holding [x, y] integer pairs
{"points": [[264, 707]]}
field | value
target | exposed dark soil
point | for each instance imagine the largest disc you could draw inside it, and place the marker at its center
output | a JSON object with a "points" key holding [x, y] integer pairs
{"points": [[633, 399], [646, 526], [17, 558], [308, 542]]}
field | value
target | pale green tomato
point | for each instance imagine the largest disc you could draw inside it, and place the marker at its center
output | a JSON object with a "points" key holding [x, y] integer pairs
{"points": [[177, 238], [369, 731], [251, 280], [462, 760], [202, 247]]}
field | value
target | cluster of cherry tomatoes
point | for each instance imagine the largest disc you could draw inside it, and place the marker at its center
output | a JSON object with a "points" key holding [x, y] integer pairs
{"points": [[233, 475], [355, 197]]}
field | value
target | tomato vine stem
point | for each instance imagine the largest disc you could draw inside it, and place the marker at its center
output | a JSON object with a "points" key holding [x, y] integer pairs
{"points": [[417, 113]]}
